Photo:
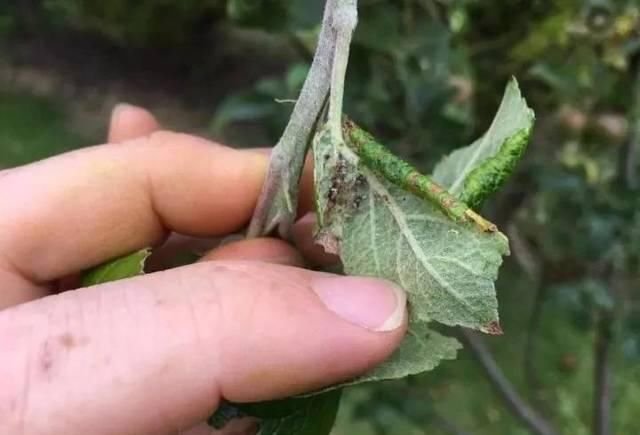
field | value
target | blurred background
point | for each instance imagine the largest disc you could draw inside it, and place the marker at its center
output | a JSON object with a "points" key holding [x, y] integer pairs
{"points": [[427, 76]]}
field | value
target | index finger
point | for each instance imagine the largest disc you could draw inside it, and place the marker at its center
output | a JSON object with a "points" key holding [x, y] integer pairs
{"points": [[77, 210]]}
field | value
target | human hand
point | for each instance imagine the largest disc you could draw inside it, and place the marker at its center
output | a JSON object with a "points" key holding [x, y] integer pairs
{"points": [[156, 354]]}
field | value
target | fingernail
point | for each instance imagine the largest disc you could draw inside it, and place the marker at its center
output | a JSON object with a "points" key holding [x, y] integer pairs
{"points": [[233, 238], [118, 110], [308, 219], [374, 304]]}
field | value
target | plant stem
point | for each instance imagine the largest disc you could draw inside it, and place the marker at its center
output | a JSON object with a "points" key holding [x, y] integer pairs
{"points": [[515, 403], [534, 268], [345, 21], [629, 161], [602, 375], [277, 205], [376, 157]]}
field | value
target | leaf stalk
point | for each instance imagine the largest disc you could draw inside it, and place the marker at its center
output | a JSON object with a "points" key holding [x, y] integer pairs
{"points": [[344, 23], [378, 158]]}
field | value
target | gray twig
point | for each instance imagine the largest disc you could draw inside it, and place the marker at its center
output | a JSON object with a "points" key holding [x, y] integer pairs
{"points": [[533, 327], [606, 319], [277, 205], [345, 21], [515, 403], [531, 264], [278, 202], [632, 156], [602, 375]]}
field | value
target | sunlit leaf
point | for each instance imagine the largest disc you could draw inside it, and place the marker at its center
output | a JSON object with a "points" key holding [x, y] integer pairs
{"points": [[476, 172], [120, 268]]}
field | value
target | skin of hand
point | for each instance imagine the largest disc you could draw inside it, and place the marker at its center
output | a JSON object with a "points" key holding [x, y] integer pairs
{"points": [[156, 354]]}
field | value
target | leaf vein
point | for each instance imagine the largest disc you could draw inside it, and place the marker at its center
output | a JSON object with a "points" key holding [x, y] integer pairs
{"points": [[411, 240]]}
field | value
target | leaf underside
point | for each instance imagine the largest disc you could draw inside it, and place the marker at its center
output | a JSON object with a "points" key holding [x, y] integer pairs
{"points": [[423, 349], [379, 230], [447, 268]]}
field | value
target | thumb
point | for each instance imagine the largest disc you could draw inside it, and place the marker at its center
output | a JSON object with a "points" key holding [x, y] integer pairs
{"points": [[161, 351]]}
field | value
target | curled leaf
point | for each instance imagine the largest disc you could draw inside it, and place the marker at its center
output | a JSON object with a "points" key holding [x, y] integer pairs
{"points": [[476, 172], [448, 268]]}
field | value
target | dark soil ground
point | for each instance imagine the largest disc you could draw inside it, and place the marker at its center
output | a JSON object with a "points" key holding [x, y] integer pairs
{"points": [[182, 86]]}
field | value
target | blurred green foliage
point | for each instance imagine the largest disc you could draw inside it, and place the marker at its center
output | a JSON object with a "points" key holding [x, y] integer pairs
{"points": [[140, 22], [156, 22], [32, 128], [427, 75], [7, 18]]}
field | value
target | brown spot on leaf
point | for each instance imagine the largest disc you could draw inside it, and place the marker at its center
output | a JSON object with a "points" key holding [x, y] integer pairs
{"points": [[412, 179], [493, 328], [348, 126], [329, 242], [436, 189]]}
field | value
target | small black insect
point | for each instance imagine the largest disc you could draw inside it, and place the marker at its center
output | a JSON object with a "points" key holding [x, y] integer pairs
{"points": [[332, 195], [341, 168], [358, 201]]}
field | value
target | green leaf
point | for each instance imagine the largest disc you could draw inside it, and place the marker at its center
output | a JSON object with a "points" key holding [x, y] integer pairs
{"points": [[475, 172], [314, 415], [311, 415], [274, 409], [447, 268], [120, 268], [423, 349]]}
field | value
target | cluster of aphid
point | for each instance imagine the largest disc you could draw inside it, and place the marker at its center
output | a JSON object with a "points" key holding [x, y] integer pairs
{"points": [[344, 189], [336, 180], [360, 184]]}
